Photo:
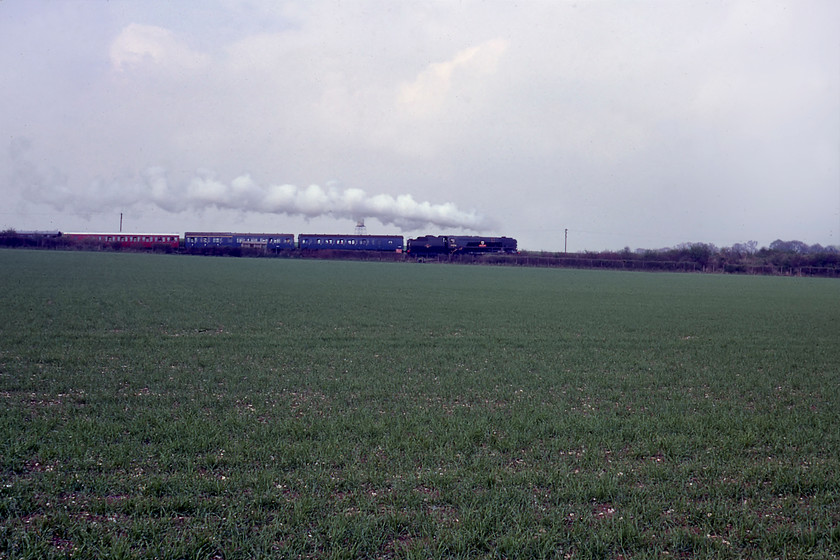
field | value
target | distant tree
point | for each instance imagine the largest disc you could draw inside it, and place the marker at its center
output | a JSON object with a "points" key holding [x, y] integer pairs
{"points": [[748, 248], [701, 253], [779, 245], [10, 238], [796, 247]]}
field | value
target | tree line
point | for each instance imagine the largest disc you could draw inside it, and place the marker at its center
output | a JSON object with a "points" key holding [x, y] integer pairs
{"points": [[780, 257]]}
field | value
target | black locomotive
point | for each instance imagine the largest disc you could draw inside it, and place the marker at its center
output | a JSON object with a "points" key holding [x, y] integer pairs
{"points": [[429, 245]]}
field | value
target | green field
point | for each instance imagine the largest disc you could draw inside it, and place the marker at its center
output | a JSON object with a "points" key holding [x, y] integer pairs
{"points": [[165, 406]]}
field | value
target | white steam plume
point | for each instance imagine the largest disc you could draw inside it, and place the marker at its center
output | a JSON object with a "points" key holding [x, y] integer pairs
{"points": [[244, 194]]}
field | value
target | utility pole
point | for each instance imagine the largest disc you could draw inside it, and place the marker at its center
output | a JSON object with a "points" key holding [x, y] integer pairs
{"points": [[120, 222], [566, 242]]}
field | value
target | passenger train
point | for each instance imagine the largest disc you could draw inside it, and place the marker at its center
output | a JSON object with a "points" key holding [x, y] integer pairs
{"points": [[204, 241]]}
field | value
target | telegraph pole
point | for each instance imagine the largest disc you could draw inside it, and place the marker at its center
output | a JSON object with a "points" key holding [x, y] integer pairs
{"points": [[120, 222], [566, 242]]}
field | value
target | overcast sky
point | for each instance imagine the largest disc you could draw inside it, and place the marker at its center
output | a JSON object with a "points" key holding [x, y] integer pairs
{"points": [[630, 123]]}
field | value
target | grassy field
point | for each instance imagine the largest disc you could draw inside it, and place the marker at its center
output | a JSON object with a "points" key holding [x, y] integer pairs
{"points": [[163, 406]]}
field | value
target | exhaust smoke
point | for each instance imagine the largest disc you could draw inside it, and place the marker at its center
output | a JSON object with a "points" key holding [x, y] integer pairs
{"points": [[243, 193], [205, 191]]}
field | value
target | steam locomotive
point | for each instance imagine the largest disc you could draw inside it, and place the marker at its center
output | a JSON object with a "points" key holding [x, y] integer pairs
{"points": [[452, 244], [428, 245]]}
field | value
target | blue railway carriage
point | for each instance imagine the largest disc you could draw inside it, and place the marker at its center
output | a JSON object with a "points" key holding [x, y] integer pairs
{"points": [[232, 240], [123, 240], [208, 239], [265, 241], [320, 241]]}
